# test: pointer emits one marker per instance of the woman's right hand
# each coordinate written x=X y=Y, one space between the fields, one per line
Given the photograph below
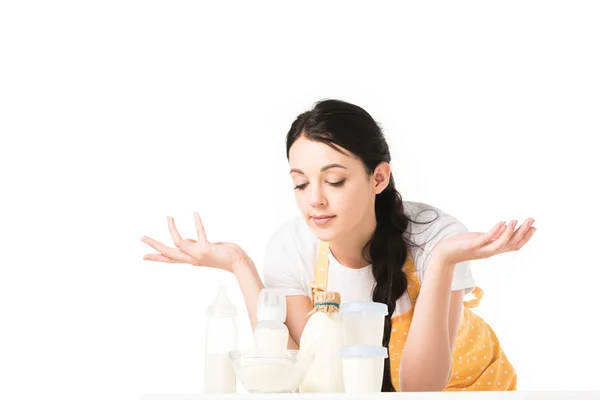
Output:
x=199 y=252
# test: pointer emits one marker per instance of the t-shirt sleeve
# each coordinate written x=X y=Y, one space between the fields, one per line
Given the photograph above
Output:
x=283 y=266
x=444 y=226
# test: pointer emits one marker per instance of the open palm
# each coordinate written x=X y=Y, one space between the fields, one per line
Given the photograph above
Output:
x=201 y=252
x=501 y=238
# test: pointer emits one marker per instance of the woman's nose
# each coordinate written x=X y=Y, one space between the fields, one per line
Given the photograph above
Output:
x=317 y=197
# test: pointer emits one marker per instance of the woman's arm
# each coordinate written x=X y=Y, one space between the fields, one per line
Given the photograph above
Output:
x=427 y=356
x=250 y=285
x=426 y=360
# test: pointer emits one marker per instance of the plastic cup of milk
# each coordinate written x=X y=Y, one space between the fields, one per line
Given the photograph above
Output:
x=362 y=368
x=362 y=322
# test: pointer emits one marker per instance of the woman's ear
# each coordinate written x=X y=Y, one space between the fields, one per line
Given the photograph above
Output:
x=381 y=177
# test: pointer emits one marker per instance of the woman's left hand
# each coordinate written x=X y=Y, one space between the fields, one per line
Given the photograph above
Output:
x=477 y=245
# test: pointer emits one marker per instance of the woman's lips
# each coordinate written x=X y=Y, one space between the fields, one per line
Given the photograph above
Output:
x=322 y=220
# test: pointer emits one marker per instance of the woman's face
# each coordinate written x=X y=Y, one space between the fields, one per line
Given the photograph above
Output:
x=333 y=191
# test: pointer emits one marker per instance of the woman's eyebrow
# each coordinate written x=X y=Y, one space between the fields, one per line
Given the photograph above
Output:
x=324 y=168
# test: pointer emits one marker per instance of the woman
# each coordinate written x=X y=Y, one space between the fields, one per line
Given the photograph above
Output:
x=373 y=246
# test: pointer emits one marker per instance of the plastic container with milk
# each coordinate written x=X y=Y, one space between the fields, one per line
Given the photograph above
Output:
x=363 y=322
x=363 y=368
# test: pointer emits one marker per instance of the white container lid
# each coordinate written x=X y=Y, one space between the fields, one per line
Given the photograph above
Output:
x=271 y=305
x=363 y=352
x=364 y=307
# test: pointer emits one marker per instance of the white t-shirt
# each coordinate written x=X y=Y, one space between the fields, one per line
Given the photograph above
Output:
x=292 y=252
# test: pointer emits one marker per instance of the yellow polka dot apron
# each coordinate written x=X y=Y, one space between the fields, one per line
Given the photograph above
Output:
x=478 y=361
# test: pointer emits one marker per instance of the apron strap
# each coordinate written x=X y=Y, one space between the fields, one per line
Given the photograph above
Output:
x=321 y=270
x=478 y=294
x=413 y=286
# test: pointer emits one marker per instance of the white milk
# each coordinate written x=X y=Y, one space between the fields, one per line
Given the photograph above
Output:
x=271 y=339
x=271 y=333
x=220 y=339
x=362 y=375
x=270 y=378
x=362 y=368
x=322 y=336
x=219 y=375
x=363 y=323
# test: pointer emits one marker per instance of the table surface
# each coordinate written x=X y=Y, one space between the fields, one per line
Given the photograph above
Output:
x=520 y=395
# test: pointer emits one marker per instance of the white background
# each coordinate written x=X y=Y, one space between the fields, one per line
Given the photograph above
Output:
x=114 y=115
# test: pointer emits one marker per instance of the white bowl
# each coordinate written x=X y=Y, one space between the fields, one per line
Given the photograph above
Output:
x=268 y=372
